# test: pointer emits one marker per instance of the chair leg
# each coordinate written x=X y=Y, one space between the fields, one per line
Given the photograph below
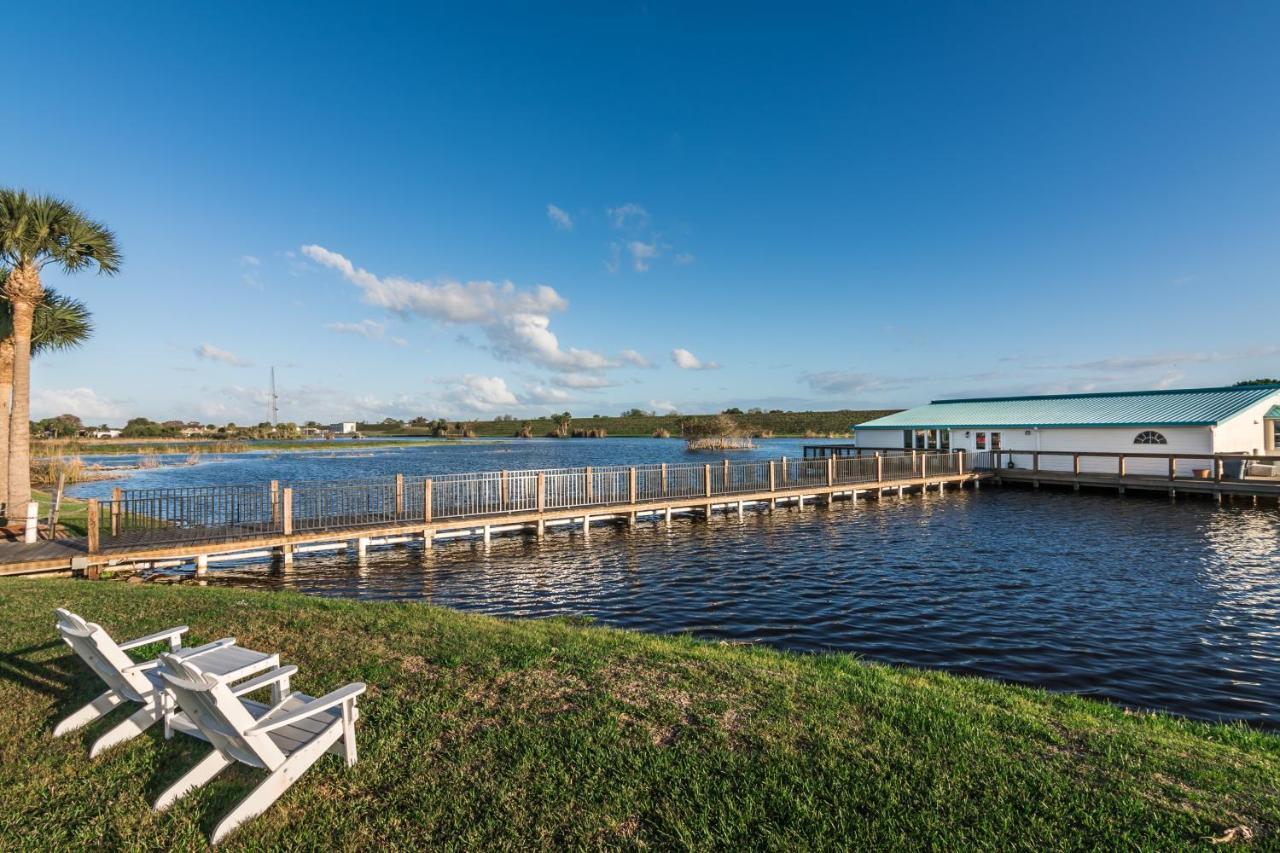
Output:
x=97 y=708
x=208 y=767
x=270 y=789
x=349 y=732
x=129 y=729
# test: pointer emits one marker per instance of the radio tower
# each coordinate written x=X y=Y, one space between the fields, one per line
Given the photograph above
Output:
x=272 y=400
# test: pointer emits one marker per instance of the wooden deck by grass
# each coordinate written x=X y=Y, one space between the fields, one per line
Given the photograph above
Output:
x=480 y=732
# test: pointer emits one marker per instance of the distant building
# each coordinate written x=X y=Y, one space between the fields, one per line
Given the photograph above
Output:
x=343 y=428
x=106 y=433
x=1241 y=419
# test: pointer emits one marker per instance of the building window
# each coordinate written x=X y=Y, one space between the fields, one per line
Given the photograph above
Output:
x=981 y=442
x=1150 y=436
x=906 y=439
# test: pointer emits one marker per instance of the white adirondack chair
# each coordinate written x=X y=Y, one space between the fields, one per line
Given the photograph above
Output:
x=129 y=681
x=284 y=738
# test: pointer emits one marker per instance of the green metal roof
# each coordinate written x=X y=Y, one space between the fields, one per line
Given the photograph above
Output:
x=1185 y=407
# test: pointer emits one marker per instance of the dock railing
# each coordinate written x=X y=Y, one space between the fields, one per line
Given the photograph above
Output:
x=210 y=514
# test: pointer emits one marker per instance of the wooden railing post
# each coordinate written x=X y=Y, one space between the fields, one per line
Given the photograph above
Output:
x=1035 y=462
x=286 y=510
x=1173 y=467
x=1217 y=469
x=542 y=492
x=773 y=477
x=784 y=470
x=1075 y=464
x=116 y=496
x=93 y=523
x=664 y=479
x=505 y=491
x=587 y=475
x=831 y=471
x=879 y=467
x=726 y=475
x=275 y=502
x=399 y=495
x=706 y=478
x=924 y=466
x=959 y=461
x=1120 y=466
x=631 y=484
x=426 y=500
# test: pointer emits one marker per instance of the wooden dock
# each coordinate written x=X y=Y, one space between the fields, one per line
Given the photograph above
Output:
x=1217 y=476
x=144 y=528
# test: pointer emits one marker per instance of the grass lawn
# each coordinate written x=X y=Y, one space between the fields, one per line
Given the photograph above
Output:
x=484 y=733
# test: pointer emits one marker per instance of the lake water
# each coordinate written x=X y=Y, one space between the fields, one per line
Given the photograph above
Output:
x=1151 y=604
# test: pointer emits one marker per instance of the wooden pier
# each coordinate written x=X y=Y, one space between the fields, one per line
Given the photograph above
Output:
x=142 y=528
x=1221 y=476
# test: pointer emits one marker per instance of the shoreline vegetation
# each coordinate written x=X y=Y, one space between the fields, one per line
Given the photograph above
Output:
x=486 y=732
x=759 y=424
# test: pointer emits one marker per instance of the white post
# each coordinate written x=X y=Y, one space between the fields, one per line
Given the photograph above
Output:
x=362 y=545
x=487 y=534
x=33 y=523
x=202 y=565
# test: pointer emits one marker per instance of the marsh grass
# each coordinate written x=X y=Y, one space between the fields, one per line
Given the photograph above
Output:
x=481 y=733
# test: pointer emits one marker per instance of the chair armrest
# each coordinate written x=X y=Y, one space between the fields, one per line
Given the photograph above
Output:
x=279 y=674
x=315 y=706
x=189 y=653
x=173 y=635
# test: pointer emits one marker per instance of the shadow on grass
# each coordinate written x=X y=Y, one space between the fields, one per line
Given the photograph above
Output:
x=52 y=678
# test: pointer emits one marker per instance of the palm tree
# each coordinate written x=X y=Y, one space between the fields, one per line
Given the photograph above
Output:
x=60 y=322
x=35 y=231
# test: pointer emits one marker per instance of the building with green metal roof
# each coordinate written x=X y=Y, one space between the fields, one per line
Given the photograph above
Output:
x=1236 y=419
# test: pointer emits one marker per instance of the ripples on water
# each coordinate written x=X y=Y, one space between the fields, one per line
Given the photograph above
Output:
x=1148 y=603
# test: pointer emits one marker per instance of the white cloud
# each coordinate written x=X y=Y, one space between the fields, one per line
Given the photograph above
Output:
x=480 y=393
x=81 y=402
x=208 y=352
x=1176 y=358
x=642 y=254
x=585 y=380
x=629 y=214
x=684 y=258
x=661 y=406
x=371 y=329
x=846 y=382
x=517 y=322
x=541 y=395
x=559 y=218
x=634 y=358
x=686 y=360
x=249 y=271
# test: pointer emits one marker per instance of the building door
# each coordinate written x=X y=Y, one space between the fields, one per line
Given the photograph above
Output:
x=995 y=441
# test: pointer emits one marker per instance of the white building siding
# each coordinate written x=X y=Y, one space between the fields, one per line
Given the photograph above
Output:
x=1180 y=440
x=1244 y=433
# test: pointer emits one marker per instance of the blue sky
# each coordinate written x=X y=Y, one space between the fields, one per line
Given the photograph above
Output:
x=515 y=209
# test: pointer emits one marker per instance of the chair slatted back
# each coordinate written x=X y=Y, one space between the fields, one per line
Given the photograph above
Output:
x=220 y=716
x=96 y=648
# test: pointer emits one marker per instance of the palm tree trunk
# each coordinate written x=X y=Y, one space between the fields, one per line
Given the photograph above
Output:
x=24 y=291
x=6 y=395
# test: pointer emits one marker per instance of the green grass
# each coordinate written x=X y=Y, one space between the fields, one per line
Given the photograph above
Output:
x=779 y=423
x=486 y=733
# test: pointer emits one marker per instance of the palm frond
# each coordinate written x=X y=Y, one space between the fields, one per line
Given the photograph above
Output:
x=41 y=229
x=60 y=322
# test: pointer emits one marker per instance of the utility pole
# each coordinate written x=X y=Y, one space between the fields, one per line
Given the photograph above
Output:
x=272 y=400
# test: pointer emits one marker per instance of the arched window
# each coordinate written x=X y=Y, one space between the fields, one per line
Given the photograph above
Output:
x=1150 y=437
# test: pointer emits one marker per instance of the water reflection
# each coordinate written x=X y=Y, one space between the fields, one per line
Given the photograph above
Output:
x=1153 y=604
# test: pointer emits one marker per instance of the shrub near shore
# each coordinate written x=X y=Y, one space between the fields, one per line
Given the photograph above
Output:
x=479 y=733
